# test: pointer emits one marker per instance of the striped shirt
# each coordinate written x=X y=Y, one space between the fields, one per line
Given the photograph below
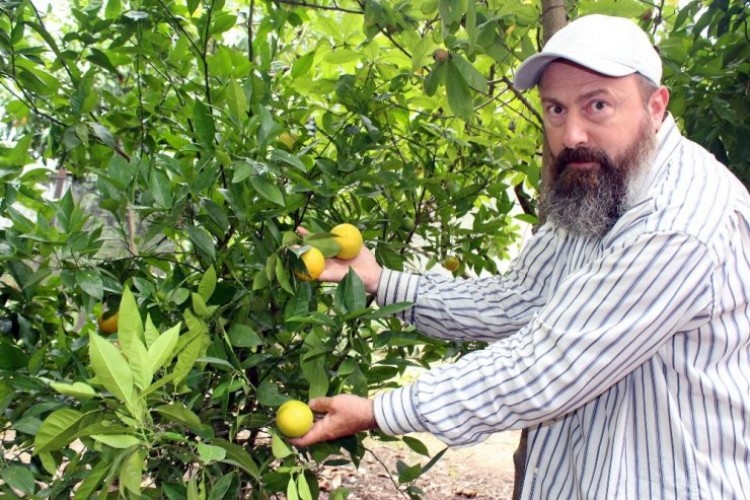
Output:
x=627 y=357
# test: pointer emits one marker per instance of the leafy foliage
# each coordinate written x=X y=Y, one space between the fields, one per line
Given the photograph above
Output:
x=188 y=142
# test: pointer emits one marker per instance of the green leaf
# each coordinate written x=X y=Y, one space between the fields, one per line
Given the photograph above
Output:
x=205 y=129
x=131 y=472
x=119 y=441
x=199 y=305
x=57 y=430
x=291 y=489
x=282 y=276
x=223 y=22
x=281 y=156
x=129 y=323
x=202 y=241
x=303 y=488
x=279 y=447
x=473 y=77
x=243 y=336
x=451 y=11
x=163 y=348
x=93 y=481
x=313 y=364
x=350 y=294
x=416 y=445
x=179 y=414
x=434 y=459
x=471 y=23
x=459 y=93
x=267 y=190
x=140 y=364
x=19 y=478
x=316 y=374
x=268 y=394
x=101 y=59
x=150 y=333
x=389 y=310
x=90 y=282
x=78 y=390
x=113 y=9
x=220 y=489
x=302 y=65
x=18 y=156
x=237 y=455
x=186 y=359
x=208 y=284
x=406 y=473
x=11 y=357
x=111 y=369
x=210 y=454
x=236 y=100
x=435 y=78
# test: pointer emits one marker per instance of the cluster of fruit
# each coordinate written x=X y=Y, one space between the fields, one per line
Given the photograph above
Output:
x=349 y=240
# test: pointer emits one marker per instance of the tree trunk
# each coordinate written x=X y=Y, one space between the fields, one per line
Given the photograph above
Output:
x=554 y=17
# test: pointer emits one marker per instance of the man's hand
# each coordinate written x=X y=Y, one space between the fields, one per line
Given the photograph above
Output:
x=344 y=415
x=364 y=264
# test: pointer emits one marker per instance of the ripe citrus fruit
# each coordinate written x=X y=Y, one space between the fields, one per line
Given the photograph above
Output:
x=294 y=418
x=314 y=262
x=451 y=263
x=349 y=240
x=108 y=323
x=287 y=139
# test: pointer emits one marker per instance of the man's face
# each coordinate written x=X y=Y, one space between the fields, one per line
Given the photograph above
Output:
x=601 y=134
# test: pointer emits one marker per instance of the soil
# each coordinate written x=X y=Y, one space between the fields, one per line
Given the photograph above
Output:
x=483 y=471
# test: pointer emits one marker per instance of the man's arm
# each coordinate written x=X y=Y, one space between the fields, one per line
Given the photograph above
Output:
x=603 y=322
x=485 y=309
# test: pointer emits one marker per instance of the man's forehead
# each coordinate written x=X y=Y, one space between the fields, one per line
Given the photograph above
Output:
x=563 y=75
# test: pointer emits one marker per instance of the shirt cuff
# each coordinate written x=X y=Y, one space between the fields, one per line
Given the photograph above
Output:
x=396 y=286
x=396 y=413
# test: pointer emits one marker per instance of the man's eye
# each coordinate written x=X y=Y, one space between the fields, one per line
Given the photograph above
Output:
x=554 y=109
x=599 y=105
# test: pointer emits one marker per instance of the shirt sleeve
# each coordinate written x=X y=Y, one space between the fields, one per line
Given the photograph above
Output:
x=483 y=309
x=600 y=324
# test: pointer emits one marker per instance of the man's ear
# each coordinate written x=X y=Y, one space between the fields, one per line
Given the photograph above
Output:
x=657 y=106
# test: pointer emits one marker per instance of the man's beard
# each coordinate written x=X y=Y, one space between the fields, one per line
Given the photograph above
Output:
x=591 y=200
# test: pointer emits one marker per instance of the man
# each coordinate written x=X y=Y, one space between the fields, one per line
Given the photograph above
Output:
x=620 y=337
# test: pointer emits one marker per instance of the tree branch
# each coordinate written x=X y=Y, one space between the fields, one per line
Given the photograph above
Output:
x=320 y=7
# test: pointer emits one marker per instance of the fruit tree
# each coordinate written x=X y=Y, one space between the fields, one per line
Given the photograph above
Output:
x=157 y=158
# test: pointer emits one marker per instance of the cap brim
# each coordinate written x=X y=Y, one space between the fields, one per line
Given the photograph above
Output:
x=530 y=71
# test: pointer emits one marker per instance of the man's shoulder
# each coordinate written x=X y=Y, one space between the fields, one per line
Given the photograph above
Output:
x=694 y=194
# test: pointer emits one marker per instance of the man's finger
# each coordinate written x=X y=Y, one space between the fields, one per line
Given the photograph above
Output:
x=320 y=405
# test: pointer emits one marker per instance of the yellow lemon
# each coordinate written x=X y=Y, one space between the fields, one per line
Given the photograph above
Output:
x=287 y=139
x=108 y=324
x=294 y=418
x=349 y=240
x=451 y=263
x=314 y=262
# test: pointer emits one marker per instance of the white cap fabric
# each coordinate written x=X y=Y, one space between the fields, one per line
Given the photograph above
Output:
x=612 y=46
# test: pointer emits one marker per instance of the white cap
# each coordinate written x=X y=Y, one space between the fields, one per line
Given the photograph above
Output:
x=612 y=46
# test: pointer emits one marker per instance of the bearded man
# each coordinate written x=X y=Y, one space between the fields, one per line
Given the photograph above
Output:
x=620 y=336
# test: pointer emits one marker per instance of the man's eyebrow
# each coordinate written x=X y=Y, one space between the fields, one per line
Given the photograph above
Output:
x=592 y=94
x=583 y=97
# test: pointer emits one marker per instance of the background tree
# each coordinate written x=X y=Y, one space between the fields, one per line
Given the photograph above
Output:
x=195 y=137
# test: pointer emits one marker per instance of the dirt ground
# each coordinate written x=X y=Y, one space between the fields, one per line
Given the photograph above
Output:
x=482 y=472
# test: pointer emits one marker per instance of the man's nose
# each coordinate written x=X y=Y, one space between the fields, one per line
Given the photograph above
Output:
x=576 y=134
